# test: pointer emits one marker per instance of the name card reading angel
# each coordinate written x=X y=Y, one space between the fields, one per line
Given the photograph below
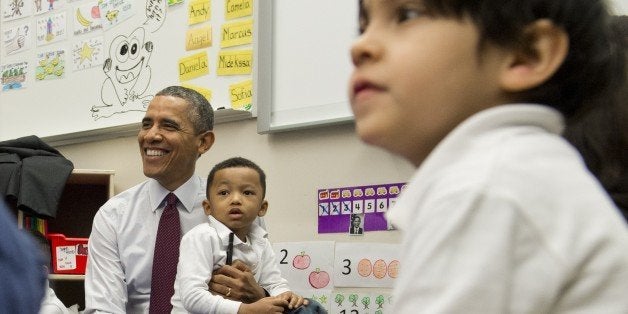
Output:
x=198 y=38
x=337 y=207
x=374 y=265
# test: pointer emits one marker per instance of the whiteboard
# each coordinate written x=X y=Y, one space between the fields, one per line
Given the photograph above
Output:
x=307 y=75
x=62 y=110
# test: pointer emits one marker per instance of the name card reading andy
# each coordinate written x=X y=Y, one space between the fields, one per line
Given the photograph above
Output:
x=193 y=66
x=235 y=34
x=238 y=8
x=199 y=11
x=235 y=62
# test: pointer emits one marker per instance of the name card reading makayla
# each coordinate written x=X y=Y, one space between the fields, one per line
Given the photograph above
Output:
x=235 y=62
x=197 y=38
x=235 y=34
x=193 y=66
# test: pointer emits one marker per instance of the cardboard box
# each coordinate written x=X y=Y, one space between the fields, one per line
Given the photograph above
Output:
x=69 y=255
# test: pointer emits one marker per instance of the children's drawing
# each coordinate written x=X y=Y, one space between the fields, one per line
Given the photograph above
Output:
x=301 y=261
x=368 y=265
x=87 y=18
x=360 y=302
x=15 y=9
x=50 y=65
x=14 y=76
x=87 y=53
x=43 y=6
x=306 y=265
x=128 y=75
x=113 y=12
x=319 y=279
x=17 y=39
x=51 y=28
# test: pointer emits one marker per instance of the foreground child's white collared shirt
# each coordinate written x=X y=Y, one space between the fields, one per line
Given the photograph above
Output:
x=503 y=217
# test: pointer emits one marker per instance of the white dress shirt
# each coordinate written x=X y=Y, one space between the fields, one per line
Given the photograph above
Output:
x=122 y=241
x=204 y=249
x=503 y=217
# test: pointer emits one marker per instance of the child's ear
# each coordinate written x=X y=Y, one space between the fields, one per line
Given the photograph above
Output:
x=533 y=63
x=207 y=207
x=263 y=209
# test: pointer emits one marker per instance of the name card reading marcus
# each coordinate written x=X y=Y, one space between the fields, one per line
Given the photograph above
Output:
x=238 y=33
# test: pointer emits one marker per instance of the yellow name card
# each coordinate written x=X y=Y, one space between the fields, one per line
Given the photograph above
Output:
x=241 y=95
x=207 y=93
x=193 y=66
x=235 y=34
x=235 y=62
x=199 y=11
x=238 y=8
x=198 y=38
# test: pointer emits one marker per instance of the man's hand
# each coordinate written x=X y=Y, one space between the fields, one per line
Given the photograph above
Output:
x=268 y=305
x=236 y=282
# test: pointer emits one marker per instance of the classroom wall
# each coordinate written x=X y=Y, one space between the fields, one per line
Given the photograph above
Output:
x=297 y=163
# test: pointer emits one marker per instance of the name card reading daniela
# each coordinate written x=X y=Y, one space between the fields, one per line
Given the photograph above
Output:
x=238 y=33
x=193 y=66
x=235 y=62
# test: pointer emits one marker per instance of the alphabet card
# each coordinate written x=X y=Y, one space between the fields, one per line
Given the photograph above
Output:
x=366 y=264
x=306 y=265
x=360 y=303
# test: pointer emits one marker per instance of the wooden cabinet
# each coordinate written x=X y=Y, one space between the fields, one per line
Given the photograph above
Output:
x=85 y=191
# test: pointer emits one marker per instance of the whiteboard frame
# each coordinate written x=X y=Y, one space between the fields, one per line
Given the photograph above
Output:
x=268 y=119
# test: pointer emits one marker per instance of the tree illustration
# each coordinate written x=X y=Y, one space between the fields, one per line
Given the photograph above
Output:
x=353 y=298
x=339 y=299
x=380 y=301
x=366 y=301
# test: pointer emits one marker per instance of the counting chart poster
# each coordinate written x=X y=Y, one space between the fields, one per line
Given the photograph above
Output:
x=335 y=206
x=366 y=265
x=306 y=265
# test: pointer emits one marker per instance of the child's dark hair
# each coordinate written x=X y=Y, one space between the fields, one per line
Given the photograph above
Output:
x=237 y=162
x=595 y=66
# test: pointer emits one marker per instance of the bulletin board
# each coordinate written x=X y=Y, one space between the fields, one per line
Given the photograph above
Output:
x=88 y=68
x=308 y=75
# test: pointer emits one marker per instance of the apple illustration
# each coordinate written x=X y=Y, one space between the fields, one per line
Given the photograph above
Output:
x=319 y=279
x=301 y=261
x=95 y=12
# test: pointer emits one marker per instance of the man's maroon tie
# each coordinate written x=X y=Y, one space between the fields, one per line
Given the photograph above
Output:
x=166 y=258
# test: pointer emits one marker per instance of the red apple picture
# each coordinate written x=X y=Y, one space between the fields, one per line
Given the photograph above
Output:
x=301 y=261
x=95 y=12
x=319 y=279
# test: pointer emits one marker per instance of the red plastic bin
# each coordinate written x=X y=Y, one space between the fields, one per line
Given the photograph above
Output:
x=69 y=255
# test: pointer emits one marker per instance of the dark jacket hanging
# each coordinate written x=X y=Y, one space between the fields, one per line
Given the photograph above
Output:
x=33 y=174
